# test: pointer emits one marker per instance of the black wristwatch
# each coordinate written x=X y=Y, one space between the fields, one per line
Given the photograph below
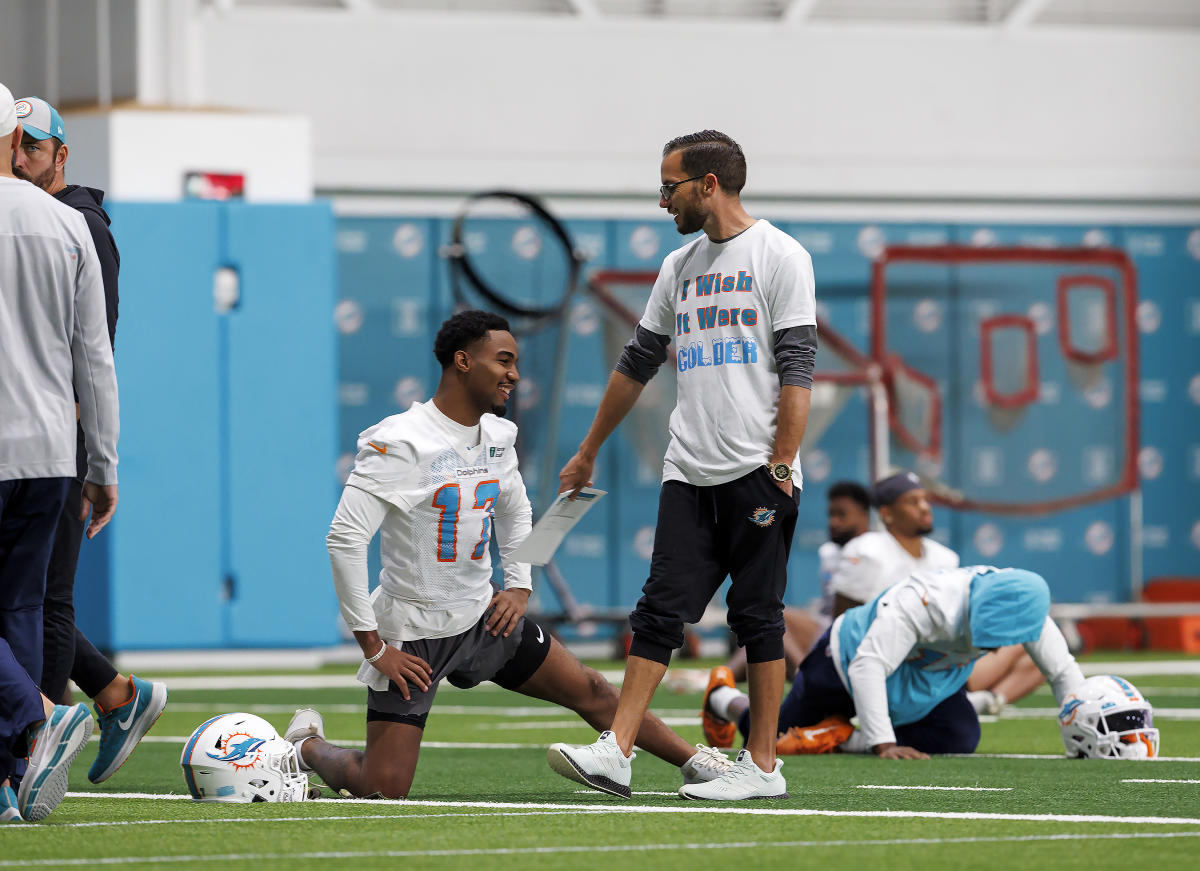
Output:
x=780 y=471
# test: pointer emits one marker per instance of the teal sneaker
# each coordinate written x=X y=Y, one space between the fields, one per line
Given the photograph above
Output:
x=8 y=806
x=123 y=726
x=53 y=747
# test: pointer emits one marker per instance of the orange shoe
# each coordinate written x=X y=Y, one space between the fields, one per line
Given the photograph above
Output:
x=821 y=738
x=717 y=732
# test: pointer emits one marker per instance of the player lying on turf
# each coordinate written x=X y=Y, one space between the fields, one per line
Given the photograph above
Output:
x=437 y=480
x=901 y=662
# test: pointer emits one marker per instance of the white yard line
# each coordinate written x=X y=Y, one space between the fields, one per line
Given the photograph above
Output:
x=581 y=848
x=737 y=810
x=1057 y=756
x=572 y=724
x=478 y=745
x=1151 y=780
x=1138 y=669
x=1015 y=713
x=938 y=788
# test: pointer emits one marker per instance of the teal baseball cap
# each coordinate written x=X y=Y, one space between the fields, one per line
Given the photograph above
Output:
x=40 y=120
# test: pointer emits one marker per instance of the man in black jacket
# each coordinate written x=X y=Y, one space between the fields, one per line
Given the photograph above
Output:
x=126 y=706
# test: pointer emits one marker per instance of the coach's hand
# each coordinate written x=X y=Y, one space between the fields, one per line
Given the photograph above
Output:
x=897 y=751
x=506 y=609
x=100 y=501
x=576 y=475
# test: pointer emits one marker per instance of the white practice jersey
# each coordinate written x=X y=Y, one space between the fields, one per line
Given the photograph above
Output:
x=920 y=627
x=873 y=561
x=721 y=303
x=448 y=488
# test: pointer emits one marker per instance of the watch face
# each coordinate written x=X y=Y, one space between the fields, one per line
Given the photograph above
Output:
x=781 y=471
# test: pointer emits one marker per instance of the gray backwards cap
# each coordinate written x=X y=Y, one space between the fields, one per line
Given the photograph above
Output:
x=888 y=490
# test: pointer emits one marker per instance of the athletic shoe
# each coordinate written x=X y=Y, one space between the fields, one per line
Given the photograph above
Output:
x=8 y=806
x=601 y=766
x=821 y=738
x=53 y=747
x=708 y=764
x=743 y=780
x=305 y=723
x=123 y=727
x=717 y=732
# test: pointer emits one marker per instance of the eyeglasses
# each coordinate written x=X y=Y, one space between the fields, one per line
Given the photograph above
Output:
x=668 y=190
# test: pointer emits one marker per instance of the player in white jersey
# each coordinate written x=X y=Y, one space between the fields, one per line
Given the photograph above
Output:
x=901 y=662
x=739 y=304
x=437 y=482
x=874 y=561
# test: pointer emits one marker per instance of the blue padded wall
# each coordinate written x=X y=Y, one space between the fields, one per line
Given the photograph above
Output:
x=1085 y=552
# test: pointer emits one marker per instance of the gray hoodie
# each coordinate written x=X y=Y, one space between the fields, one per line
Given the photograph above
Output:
x=53 y=341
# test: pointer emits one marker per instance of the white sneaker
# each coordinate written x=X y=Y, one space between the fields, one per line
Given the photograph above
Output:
x=601 y=765
x=305 y=723
x=743 y=780
x=709 y=763
x=987 y=702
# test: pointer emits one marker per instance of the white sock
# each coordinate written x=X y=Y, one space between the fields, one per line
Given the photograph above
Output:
x=721 y=698
x=981 y=700
x=304 y=766
x=856 y=743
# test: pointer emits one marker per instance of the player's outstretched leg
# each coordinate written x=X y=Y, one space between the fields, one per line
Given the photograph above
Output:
x=125 y=724
x=566 y=681
x=385 y=769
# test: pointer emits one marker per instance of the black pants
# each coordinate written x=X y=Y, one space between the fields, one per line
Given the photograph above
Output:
x=29 y=508
x=741 y=529
x=66 y=652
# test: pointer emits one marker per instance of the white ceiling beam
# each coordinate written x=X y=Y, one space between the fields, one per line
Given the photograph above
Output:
x=798 y=11
x=584 y=8
x=1023 y=13
x=359 y=5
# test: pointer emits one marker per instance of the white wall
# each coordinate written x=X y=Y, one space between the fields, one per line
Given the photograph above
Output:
x=144 y=154
x=424 y=102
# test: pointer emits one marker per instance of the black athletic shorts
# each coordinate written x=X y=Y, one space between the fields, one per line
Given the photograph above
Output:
x=465 y=660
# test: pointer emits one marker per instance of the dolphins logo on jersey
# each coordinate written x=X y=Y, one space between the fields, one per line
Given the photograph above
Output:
x=242 y=753
x=762 y=516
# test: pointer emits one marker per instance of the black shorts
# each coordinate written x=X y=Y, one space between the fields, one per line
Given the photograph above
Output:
x=742 y=529
x=465 y=660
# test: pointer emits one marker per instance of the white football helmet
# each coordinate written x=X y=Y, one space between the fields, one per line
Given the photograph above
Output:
x=1107 y=718
x=241 y=758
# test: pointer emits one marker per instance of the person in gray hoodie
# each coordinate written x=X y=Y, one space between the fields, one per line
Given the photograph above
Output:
x=127 y=706
x=53 y=348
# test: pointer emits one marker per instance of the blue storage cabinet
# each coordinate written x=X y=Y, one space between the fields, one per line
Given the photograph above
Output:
x=227 y=433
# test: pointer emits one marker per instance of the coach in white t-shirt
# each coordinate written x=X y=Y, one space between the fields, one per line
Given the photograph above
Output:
x=874 y=561
x=735 y=311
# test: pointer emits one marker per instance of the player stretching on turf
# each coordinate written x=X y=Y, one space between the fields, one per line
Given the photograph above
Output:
x=438 y=480
x=901 y=663
x=739 y=302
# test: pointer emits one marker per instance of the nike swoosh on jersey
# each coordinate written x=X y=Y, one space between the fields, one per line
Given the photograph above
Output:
x=541 y=637
x=128 y=721
x=381 y=448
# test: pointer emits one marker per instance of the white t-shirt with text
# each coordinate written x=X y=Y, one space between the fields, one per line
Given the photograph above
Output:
x=721 y=303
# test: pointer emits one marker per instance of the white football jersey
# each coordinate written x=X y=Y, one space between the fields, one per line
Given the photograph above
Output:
x=873 y=561
x=450 y=488
x=721 y=303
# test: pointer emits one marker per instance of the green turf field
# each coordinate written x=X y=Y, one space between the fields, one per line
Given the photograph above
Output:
x=485 y=798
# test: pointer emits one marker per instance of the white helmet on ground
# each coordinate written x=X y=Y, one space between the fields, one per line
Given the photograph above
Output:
x=241 y=758
x=1107 y=718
